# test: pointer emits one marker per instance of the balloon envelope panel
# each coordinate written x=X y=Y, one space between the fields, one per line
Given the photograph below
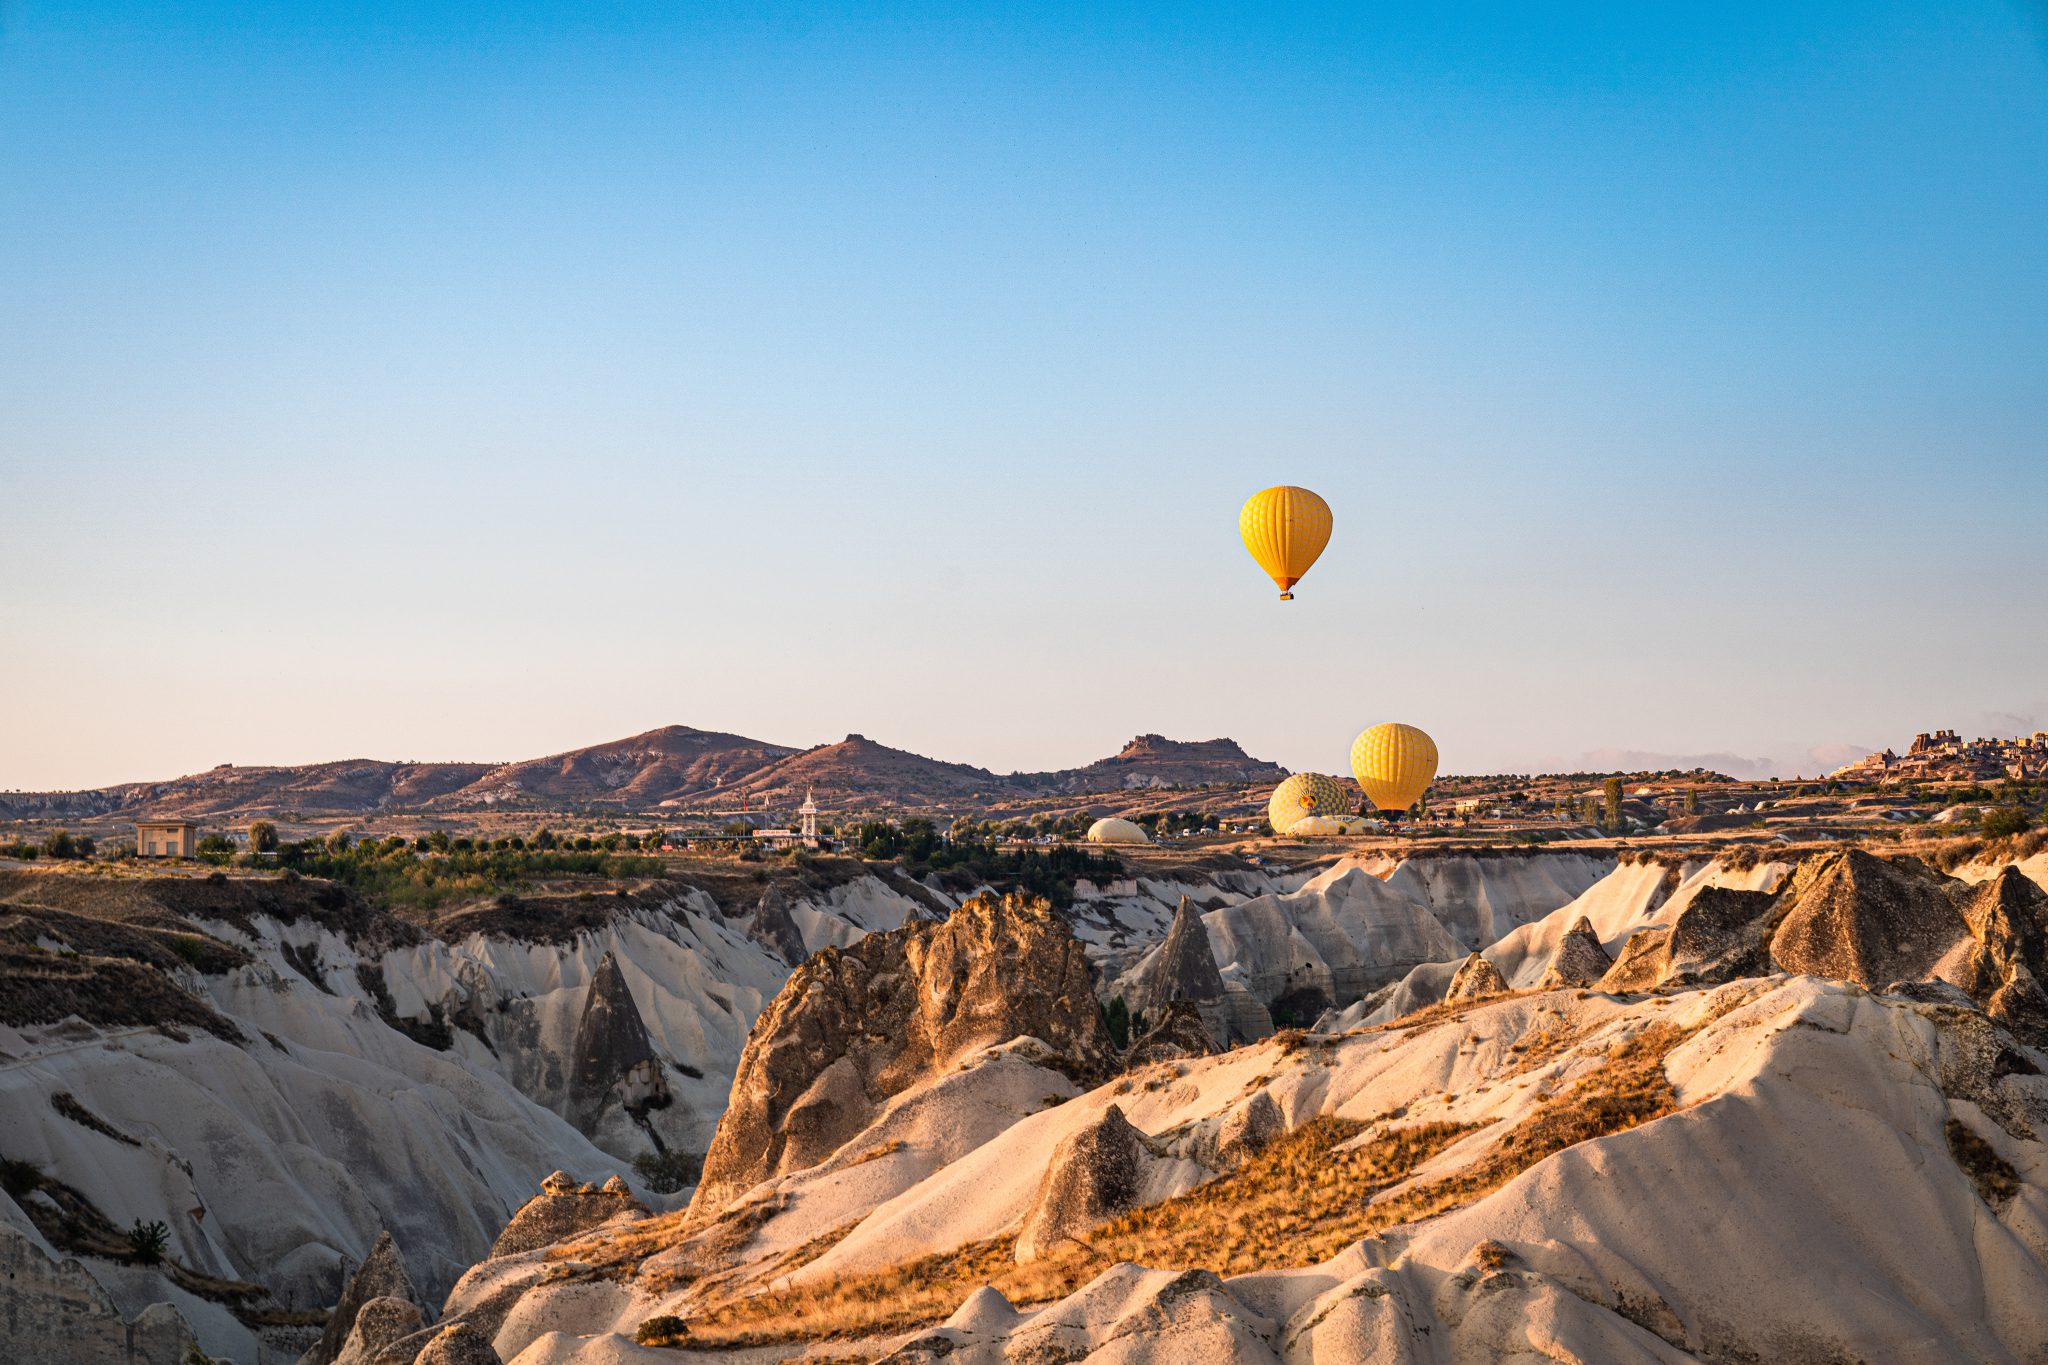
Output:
x=1395 y=764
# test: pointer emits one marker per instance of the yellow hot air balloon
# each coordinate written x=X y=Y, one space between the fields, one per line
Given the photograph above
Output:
x=1318 y=827
x=1303 y=795
x=1285 y=528
x=1394 y=764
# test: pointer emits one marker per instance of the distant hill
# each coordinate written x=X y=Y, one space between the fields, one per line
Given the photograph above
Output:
x=644 y=772
x=1155 y=761
x=859 y=769
x=675 y=768
x=349 y=786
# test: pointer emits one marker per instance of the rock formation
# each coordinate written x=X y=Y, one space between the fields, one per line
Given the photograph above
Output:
x=1857 y=917
x=380 y=1276
x=1475 y=980
x=378 y=1324
x=1183 y=968
x=2007 y=918
x=53 y=1310
x=1579 y=959
x=1180 y=1032
x=458 y=1344
x=614 y=1059
x=1092 y=1177
x=854 y=1026
x=1722 y=933
x=1640 y=963
x=1249 y=1128
x=564 y=1208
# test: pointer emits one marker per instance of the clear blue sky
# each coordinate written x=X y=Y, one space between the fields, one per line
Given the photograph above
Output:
x=477 y=381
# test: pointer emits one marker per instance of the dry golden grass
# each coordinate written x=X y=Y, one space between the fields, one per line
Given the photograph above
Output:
x=617 y=1252
x=889 y=1148
x=1301 y=1201
x=1298 y=1202
x=1441 y=1011
x=1543 y=1046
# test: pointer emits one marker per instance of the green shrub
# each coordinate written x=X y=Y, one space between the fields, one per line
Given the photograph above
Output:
x=2004 y=822
x=147 y=1242
x=1118 y=1018
x=63 y=844
x=665 y=1330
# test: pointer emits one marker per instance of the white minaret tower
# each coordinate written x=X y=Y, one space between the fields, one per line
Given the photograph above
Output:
x=808 y=812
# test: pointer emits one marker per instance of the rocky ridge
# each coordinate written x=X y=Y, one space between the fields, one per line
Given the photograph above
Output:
x=1732 y=1053
x=856 y=1026
x=675 y=767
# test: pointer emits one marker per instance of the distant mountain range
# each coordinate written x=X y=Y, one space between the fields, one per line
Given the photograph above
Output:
x=674 y=769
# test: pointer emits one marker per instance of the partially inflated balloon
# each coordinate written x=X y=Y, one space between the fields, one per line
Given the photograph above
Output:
x=1394 y=764
x=1303 y=795
x=1285 y=528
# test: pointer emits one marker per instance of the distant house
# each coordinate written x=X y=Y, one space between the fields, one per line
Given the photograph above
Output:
x=165 y=838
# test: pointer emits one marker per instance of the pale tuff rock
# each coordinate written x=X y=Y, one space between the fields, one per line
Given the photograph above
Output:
x=1092 y=1177
x=1476 y=980
x=564 y=1209
x=1128 y=1314
x=381 y=1276
x=1344 y=934
x=53 y=1310
x=1790 y=1083
x=1180 y=1032
x=378 y=1324
x=1579 y=960
x=614 y=1060
x=854 y=1026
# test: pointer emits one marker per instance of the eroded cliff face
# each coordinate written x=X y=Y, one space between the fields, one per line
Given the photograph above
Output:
x=280 y=1073
x=855 y=1026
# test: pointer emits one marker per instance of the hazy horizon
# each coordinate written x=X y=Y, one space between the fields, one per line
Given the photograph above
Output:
x=1786 y=761
x=477 y=383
